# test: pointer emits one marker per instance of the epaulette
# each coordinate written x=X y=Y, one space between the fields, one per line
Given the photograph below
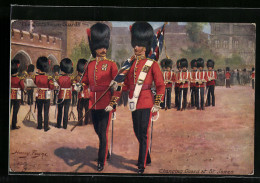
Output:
x=57 y=77
x=50 y=77
x=110 y=60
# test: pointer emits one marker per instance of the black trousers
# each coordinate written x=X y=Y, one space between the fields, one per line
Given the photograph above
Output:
x=101 y=125
x=83 y=104
x=42 y=103
x=15 y=103
x=55 y=93
x=167 y=98
x=30 y=97
x=200 y=98
x=253 y=84
x=193 y=96
x=74 y=97
x=211 y=95
x=177 y=91
x=66 y=104
x=227 y=83
x=22 y=99
x=183 y=99
x=141 y=119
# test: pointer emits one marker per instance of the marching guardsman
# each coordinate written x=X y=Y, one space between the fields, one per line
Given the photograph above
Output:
x=139 y=82
x=212 y=76
x=98 y=76
x=64 y=97
x=30 y=71
x=177 y=85
x=253 y=78
x=183 y=79
x=44 y=84
x=227 y=77
x=193 y=89
x=56 y=71
x=168 y=77
x=17 y=85
x=201 y=79
x=83 y=95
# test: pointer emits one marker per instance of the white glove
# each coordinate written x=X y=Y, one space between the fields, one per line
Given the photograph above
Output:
x=108 y=108
x=155 y=108
x=113 y=84
x=77 y=87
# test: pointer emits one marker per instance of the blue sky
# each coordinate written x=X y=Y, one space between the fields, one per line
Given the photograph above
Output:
x=154 y=24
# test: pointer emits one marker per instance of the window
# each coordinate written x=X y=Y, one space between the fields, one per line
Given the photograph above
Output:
x=225 y=44
x=235 y=44
x=217 y=44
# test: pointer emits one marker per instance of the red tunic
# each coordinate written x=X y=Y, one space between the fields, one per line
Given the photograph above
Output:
x=168 y=77
x=183 y=76
x=98 y=76
x=85 y=93
x=192 y=78
x=200 y=75
x=228 y=75
x=145 y=99
x=65 y=83
x=176 y=85
x=213 y=76
x=253 y=75
x=44 y=83
x=16 y=84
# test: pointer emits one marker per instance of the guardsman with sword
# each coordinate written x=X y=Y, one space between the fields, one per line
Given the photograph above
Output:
x=138 y=81
x=98 y=75
x=212 y=76
x=201 y=79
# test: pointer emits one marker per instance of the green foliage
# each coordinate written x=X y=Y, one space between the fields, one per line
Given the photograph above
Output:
x=194 y=30
x=121 y=55
x=80 y=51
x=235 y=61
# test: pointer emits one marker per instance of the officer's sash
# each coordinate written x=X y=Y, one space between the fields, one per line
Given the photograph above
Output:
x=138 y=86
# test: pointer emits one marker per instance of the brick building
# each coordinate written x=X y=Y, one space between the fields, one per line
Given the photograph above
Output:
x=234 y=38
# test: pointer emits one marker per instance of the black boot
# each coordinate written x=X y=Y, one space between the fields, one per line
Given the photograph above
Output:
x=100 y=167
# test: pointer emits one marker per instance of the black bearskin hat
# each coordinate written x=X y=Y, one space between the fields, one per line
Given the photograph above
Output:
x=210 y=63
x=253 y=69
x=142 y=35
x=66 y=66
x=227 y=69
x=178 y=63
x=42 y=64
x=200 y=62
x=98 y=37
x=193 y=63
x=80 y=65
x=56 y=68
x=184 y=63
x=14 y=67
x=166 y=63
x=30 y=68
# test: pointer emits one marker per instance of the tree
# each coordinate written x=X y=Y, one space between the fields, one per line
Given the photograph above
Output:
x=121 y=55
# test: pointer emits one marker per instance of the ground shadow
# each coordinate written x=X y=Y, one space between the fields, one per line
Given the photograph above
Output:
x=87 y=156
x=30 y=123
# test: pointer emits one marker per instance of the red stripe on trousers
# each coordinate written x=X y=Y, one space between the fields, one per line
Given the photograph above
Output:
x=109 y=119
x=147 y=138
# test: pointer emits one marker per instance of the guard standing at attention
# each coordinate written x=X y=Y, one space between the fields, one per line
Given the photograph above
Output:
x=44 y=84
x=193 y=89
x=64 y=98
x=177 y=85
x=212 y=76
x=17 y=85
